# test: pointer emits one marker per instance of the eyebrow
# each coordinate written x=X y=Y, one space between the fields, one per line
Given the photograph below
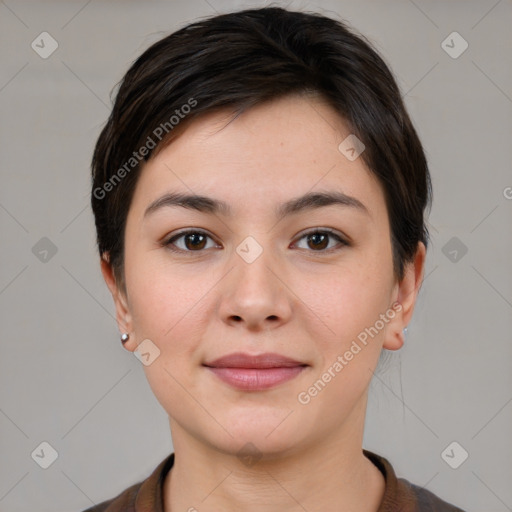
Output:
x=306 y=202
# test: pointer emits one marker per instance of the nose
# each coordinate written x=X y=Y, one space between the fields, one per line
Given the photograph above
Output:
x=255 y=295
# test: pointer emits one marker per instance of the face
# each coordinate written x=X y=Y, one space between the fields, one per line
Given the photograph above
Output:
x=311 y=281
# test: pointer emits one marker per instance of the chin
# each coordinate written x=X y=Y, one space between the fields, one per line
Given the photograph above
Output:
x=266 y=435
x=250 y=447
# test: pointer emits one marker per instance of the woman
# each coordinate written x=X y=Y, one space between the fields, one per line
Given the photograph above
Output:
x=259 y=194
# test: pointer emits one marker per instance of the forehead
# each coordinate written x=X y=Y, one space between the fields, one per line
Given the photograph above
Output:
x=269 y=153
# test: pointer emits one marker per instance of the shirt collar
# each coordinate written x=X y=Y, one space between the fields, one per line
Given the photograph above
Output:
x=150 y=495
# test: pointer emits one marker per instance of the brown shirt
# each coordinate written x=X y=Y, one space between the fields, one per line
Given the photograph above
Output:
x=399 y=494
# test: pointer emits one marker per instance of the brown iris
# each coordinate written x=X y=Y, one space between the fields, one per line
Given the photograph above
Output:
x=197 y=240
x=321 y=238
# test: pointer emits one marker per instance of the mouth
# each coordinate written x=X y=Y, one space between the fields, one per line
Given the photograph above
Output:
x=255 y=373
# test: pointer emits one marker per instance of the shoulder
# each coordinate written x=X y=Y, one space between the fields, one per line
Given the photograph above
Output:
x=147 y=493
x=423 y=499
x=123 y=502
x=401 y=495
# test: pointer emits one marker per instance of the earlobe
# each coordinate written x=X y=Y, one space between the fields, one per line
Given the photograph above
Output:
x=123 y=316
x=395 y=337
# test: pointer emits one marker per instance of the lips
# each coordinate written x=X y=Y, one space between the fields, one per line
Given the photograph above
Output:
x=255 y=373
x=241 y=360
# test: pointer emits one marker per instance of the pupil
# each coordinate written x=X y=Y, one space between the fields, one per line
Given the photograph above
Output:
x=193 y=237
x=194 y=240
x=315 y=237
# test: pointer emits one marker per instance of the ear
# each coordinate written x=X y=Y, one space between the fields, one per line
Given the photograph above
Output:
x=405 y=294
x=123 y=315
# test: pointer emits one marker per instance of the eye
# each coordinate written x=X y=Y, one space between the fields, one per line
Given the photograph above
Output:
x=193 y=241
x=196 y=241
x=318 y=240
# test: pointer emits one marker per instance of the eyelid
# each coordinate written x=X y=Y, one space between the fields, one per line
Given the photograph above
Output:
x=168 y=241
x=343 y=241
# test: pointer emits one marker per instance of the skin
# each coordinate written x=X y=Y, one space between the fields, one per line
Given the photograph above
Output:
x=299 y=298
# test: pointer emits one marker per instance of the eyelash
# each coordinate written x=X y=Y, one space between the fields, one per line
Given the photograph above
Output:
x=169 y=243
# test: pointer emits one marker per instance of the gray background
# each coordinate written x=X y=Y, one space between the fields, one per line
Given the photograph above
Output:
x=64 y=376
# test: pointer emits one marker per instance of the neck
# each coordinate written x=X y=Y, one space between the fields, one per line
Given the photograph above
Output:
x=333 y=470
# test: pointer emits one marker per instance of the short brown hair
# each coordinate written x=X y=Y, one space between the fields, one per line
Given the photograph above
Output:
x=235 y=61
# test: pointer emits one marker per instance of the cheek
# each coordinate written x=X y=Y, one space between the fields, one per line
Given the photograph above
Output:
x=349 y=305
x=351 y=299
x=349 y=349
x=172 y=306
x=168 y=309
x=162 y=297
